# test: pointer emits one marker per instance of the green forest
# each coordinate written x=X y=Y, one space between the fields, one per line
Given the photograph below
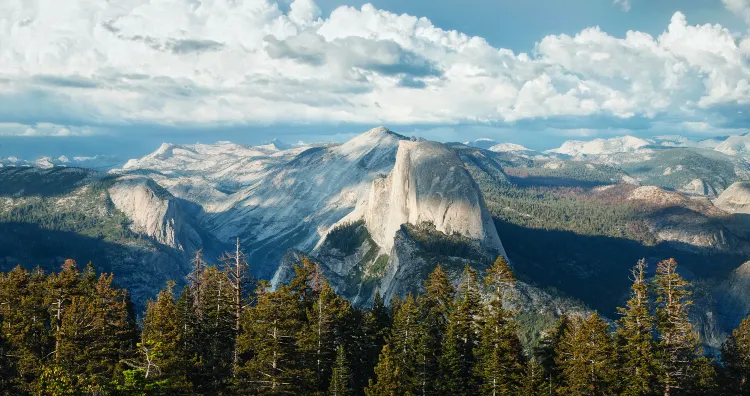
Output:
x=75 y=332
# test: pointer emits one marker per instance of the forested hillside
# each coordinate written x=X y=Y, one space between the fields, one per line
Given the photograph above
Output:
x=75 y=332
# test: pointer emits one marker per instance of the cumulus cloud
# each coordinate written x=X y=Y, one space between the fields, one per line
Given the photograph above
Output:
x=221 y=62
x=741 y=8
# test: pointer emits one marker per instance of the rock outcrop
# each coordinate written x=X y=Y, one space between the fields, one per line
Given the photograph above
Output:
x=428 y=184
x=154 y=213
x=735 y=199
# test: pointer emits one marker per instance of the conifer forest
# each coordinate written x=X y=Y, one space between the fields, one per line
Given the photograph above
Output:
x=75 y=332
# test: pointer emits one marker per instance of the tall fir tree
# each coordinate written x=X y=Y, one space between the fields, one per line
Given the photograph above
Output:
x=401 y=351
x=678 y=345
x=23 y=322
x=499 y=355
x=735 y=355
x=270 y=331
x=341 y=378
x=635 y=338
x=236 y=269
x=587 y=358
x=161 y=347
x=458 y=357
x=533 y=381
x=321 y=334
x=390 y=377
x=549 y=344
x=434 y=305
x=374 y=327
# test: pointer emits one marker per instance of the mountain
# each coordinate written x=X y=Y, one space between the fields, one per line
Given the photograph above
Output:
x=272 y=200
x=380 y=211
x=99 y=162
x=129 y=227
x=735 y=145
x=154 y=213
x=428 y=184
x=735 y=199
x=622 y=144
x=508 y=147
x=482 y=143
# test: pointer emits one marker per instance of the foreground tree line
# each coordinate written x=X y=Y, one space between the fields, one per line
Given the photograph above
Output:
x=74 y=332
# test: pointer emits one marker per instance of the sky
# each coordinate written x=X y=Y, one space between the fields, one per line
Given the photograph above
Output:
x=86 y=77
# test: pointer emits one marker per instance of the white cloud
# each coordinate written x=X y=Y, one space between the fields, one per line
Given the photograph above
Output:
x=44 y=129
x=625 y=4
x=218 y=62
x=741 y=8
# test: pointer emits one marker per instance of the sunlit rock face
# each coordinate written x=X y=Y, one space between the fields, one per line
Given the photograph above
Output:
x=428 y=184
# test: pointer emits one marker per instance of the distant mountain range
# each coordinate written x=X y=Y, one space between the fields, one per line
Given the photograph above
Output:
x=381 y=210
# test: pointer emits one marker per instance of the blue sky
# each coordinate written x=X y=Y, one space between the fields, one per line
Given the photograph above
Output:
x=96 y=77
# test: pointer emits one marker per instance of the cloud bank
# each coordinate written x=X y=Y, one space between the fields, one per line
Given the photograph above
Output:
x=223 y=62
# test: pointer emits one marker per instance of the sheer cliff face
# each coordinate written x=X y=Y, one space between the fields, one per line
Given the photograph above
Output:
x=428 y=184
x=154 y=213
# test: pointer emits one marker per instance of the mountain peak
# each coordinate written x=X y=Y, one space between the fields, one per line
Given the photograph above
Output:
x=378 y=131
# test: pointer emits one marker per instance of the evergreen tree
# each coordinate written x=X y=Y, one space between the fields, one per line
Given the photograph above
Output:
x=401 y=352
x=214 y=307
x=236 y=269
x=23 y=323
x=735 y=354
x=61 y=288
x=546 y=352
x=188 y=332
x=95 y=333
x=533 y=381
x=374 y=325
x=635 y=335
x=499 y=355
x=321 y=334
x=587 y=358
x=341 y=378
x=434 y=308
x=458 y=358
x=678 y=344
x=390 y=377
x=270 y=331
x=161 y=344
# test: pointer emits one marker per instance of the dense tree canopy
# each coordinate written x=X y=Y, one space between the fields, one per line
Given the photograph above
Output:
x=74 y=332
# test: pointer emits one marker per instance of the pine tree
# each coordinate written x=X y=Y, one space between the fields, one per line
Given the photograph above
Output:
x=533 y=381
x=587 y=358
x=161 y=344
x=546 y=352
x=114 y=333
x=458 y=357
x=374 y=326
x=213 y=302
x=678 y=342
x=390 y=378
x=95 y=333
x=236 y=269
x=321 y=334
x=434 y=308
x=270 y=331
x=401 y=351
x=23 y=323
x=341 y=378
x=499 y=355
x=735 y=354
x=189 y=344
x=62 y=287
x=635 y=335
